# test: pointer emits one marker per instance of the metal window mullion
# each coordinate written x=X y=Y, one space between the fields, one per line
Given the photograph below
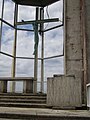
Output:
x=14 y=47
x=1 y=23
x=42 y=49
x=36 y=55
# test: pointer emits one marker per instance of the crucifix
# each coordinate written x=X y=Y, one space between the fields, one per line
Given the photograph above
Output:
x=35 y=24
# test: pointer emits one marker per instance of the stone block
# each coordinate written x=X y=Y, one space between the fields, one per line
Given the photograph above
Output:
x=64 y=91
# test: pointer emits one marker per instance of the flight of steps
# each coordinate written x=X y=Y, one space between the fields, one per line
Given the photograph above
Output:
x=32 y=107
x=23 y=100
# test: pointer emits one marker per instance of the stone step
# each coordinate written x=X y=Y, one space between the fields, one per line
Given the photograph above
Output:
x=42 y=114
x=24 y=97
x=15 y=100
x=41 y=117
x=23 y=100
x=23 y=94
x=23 y=105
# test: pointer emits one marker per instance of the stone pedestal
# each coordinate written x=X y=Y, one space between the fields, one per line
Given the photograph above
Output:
x=64 y=92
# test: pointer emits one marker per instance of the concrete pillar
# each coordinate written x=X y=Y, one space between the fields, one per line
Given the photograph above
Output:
x=67 y=90
x=77 y=41
x=87 y=31
x=74 y=61
x=73 y=39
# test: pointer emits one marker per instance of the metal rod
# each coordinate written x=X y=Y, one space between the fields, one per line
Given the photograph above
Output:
x=14 y=26
x=42 y=49
x=7 y=23
x=53 y=57
x=36 y=54
x=1 y=33
x=30 y=57
x=14 y=48
x=27 y=58
x=38 y=21
x=1 y=23
x=25 y=29
x=6 y=54
x=28 y=29
x=65 y=34
x=16 y=78
x=53 y=28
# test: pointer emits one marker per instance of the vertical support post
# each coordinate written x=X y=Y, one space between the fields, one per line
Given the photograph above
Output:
x=3 y=84
x=65 y=34
x=86 y=41
x=14 y=49
x=36 y=54
x=83 y=29
x=28 y=86
x=1 y=23
x=73 y=40
x=42 y=49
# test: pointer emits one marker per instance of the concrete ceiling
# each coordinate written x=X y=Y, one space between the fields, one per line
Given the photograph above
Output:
x=40 y=3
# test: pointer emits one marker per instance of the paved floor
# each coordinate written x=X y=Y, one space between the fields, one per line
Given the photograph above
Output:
x=46 y=112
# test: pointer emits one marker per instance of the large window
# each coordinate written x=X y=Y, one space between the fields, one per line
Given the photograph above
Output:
x=53 y=42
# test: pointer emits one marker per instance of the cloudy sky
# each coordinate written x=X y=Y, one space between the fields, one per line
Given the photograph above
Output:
x=25 y=42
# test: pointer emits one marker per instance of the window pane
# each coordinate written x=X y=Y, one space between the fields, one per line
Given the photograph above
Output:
x=26 y=13
x=24 y=68
x=5 y=66
x=54 y=11
x=7 y=39
x=18 y=87
x=54 y=42
x=54 y=66
x=1 y=7
x=9 y=11
x=25 y=44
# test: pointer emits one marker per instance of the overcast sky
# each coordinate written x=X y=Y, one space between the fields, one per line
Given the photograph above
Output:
x=25 y=42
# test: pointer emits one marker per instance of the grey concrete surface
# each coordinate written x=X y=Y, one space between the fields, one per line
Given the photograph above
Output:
x=46 y=112
x=42 y=114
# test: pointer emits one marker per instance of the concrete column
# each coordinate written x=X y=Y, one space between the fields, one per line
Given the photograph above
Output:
x=74 y=43
x=67 y=89
x=73 y=39
x=87 y=31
